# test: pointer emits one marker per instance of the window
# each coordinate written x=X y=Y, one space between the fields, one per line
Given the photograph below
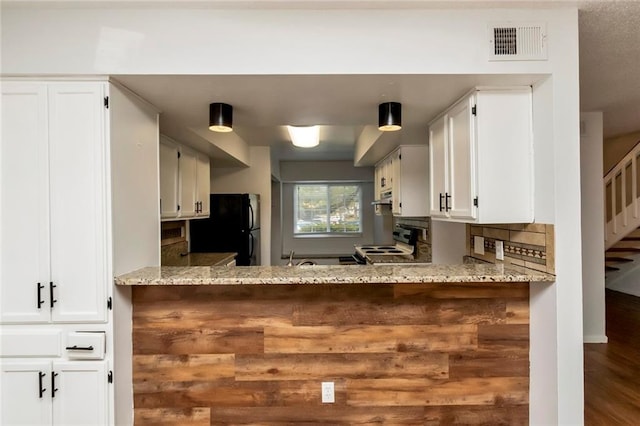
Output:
x=327 y=209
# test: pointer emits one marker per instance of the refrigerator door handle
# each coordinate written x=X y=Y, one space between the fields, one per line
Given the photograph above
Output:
x=251 y=244
x=251 y=212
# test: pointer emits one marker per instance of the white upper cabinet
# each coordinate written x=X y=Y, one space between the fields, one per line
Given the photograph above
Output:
x=168 y=179
x=384 y=178
x=184 y=181
x=402 y=176
x=24 y=273
x=438 y=159
x=461 y=149
x=203 y=183
x=188 y=181
x=77 y=185
x=54 y=257
x=481 y=158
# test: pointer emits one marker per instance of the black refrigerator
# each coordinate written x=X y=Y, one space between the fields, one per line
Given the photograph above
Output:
x=233 y=226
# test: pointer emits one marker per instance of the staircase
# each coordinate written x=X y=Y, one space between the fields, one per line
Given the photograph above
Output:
x=622 y=194
x=622 y=228
x=623 y=253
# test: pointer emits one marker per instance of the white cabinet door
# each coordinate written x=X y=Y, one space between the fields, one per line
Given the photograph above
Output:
x=54 y=221
x=168 y=179
x=376 y=177
x=81 y=395
x=395 y=169
x=60 y=393
x=77 y=182
x=438 y=159
x=25 y=393
x=203 y=185
x=184 y=181
x=481 y=158
x=505 y=156
x=24 y=226
x=462 y=161
x=187 y=182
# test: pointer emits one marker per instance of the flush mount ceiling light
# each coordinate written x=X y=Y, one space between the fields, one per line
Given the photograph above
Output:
x=304 y=136
x=389 y=116
x=220 y=117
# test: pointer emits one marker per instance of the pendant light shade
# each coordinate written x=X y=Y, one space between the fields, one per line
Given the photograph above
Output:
x=389 y=116
x=220 y=117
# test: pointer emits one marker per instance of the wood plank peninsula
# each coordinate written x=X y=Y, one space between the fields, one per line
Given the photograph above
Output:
x=428 y=344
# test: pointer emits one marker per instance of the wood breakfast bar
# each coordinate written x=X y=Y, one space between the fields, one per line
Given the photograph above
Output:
x=418 y=344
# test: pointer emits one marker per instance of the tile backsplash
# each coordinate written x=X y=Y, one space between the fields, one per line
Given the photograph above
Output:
x=528 y=244
x=423 y=246
x=173 y=242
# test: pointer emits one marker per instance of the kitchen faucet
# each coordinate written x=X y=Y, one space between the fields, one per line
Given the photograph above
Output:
x=302 y=262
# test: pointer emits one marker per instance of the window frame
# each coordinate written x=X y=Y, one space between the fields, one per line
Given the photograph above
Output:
x=327 y=234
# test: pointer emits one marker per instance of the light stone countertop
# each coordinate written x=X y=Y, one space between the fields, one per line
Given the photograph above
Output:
x=331 y=274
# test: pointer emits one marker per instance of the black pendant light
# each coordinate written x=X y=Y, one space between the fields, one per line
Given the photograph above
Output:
x=220 y=117
x=389 y=116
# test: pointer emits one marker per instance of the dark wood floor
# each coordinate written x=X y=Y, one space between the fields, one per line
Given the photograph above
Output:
x=612 y=371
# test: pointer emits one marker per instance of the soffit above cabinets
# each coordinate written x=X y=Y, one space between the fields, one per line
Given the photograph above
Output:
x=343 y=106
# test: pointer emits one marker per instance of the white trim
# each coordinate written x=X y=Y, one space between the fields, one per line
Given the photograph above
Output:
x=595 y=339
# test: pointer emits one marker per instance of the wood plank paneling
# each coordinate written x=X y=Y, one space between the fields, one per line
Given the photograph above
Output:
x=327 y=415
x=426 y=392
x=173 y=417
x=399 y=354
x=181 y=368
x=337 y=366
x=419 y=312
x=370 y=339
x=197 y=341
x=488 y=364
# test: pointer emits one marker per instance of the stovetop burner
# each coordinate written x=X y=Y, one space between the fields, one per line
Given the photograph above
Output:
x=405 y=244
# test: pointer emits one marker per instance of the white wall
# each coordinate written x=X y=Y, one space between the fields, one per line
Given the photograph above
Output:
x=592 y=228
x=255 y=179
x=135 y=223
x=276 y=222
x=544 y=325
x=173 y=40
x=448 y=242
x=434 y=41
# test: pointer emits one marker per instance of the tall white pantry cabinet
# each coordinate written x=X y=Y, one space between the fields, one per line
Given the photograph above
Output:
x=56 y=269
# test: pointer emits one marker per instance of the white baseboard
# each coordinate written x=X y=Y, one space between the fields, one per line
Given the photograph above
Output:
x=595 y=339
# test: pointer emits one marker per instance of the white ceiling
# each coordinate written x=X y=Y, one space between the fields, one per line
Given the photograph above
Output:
x=344 y=104
x=610 y=63
x=341 y=104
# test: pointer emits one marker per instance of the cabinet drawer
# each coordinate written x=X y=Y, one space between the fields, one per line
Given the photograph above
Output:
x=30 y=343
x=85 y=345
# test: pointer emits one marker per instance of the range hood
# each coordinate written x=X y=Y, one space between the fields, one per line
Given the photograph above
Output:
x=383 y=205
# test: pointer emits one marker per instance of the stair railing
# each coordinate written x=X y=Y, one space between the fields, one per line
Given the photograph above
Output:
x=621 y=198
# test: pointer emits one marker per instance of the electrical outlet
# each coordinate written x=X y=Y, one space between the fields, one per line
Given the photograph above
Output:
x=328 y=393
x=499 y=250
x=478 y=245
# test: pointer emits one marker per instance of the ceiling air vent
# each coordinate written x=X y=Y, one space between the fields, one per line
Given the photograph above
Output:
x=517 y=42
